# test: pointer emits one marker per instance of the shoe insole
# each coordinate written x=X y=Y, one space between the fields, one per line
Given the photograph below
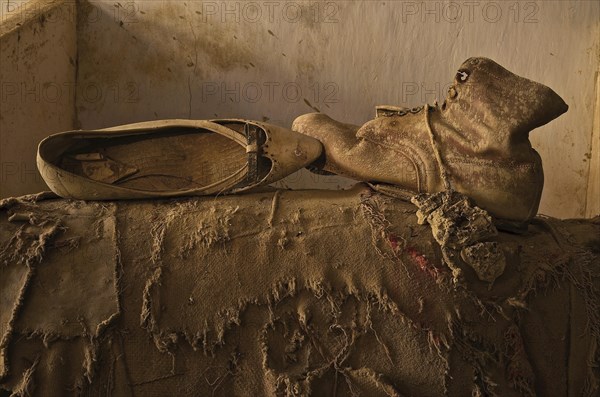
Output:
x=159 y=162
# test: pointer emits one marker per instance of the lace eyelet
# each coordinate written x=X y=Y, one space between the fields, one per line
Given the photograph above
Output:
x=462 y=76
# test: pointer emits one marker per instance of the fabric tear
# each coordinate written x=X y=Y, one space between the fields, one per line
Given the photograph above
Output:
x=26 y=387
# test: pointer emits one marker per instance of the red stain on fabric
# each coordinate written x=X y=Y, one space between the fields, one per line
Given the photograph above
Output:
x=422 y=261
x=393 y=240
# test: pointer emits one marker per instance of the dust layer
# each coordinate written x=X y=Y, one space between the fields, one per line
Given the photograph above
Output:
x=290 y=294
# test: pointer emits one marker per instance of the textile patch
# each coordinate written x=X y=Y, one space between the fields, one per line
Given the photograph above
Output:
x=57 y=271
x=74 y=290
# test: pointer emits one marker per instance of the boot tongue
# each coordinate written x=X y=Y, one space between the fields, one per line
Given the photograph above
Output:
x=496 y=108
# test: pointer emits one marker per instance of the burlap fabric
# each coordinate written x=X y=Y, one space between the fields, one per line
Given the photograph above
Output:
x=286 y=294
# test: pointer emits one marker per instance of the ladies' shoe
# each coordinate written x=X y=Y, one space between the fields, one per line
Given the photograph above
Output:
x=170 y=158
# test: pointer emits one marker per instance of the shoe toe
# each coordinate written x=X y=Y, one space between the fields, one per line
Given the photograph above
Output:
x=294 y=149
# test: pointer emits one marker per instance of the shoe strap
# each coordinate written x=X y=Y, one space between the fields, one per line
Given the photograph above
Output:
x=252 y=153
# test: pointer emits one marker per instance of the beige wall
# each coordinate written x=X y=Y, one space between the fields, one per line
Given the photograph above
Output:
x=276 y=60
x=593 y=189
x=37 y=86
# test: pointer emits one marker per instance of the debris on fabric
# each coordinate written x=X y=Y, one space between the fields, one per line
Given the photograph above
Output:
x=460 y=226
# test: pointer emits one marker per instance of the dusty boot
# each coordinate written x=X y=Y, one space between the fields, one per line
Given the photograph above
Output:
x=169 y=158
x=476 y=142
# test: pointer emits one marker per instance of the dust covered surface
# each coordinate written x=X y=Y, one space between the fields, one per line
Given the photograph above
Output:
x=58 y=284
x=304 y=293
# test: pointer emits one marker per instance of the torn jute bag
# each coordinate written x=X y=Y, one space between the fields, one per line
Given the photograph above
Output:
x=287 y=293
